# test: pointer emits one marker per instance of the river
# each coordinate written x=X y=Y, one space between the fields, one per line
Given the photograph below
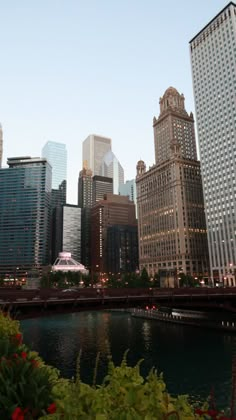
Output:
x=193 y=360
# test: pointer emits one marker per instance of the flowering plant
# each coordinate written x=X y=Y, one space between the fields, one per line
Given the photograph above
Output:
x=25 y=381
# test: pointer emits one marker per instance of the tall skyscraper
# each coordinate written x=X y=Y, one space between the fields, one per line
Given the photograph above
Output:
x=85 y=195
x=112 y=210
x=213 y=60
x=85 y=188
x=1 y=146
x=94 y=149
x=56 y=154
x=111 y=167
x=101 y=185
x=129 y=189
x=171 y=219
x=25 y=190
x=71 y=231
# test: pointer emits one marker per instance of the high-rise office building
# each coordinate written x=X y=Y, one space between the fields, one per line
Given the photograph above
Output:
x=1 y=146
x=112 y=210
x=111 y=167
x=94 y=149
x=71 y=230
x=171 y=219
x=101 y=185
x=56 y=154
x=213 y=62
x=25 y=190
x=122 y=249
x=85 y=190
x=129 y=189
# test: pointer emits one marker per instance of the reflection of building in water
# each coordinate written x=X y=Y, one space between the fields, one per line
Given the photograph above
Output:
x=146 y=332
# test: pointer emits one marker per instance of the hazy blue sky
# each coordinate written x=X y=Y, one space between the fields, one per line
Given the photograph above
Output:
x=70 y=68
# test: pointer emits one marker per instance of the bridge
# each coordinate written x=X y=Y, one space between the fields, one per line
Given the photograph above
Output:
x=29 y=303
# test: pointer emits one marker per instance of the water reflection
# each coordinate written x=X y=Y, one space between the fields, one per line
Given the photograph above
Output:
x=192 y=360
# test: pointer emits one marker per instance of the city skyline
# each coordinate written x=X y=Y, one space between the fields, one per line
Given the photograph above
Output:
x=81 y=74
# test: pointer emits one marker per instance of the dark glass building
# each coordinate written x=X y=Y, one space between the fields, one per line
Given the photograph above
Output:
x=122 y=249
x=25 y=191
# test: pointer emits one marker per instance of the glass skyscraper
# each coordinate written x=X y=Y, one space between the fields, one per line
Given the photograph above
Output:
x=56 y=154
x=213 y=59
x=111 y=168
x=25 y=191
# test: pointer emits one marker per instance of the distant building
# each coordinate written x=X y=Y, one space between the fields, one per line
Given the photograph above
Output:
x=85 y=188
x=94 y=149
x=101 y=185
x=112 y=210
x=71 y=230
x=129 y=189
x=111 y=167
x=122 y=249
x=213 y=61
x=56 y=155
x=171 y=218
x=25 y=191
x=1 y=145
x=85 y=194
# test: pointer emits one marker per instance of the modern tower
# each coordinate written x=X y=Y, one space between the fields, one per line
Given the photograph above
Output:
x=1 y=146
x=94 y=149
x=129 y=189
x=25 y=190
x=112 y=210
x=71 y=232
x=101 y=185
x=111 y=167
x=213 y=60
x=85 y=195
x=171 y=219
x=56 y=155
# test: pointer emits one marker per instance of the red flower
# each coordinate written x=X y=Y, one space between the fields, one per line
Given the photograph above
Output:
x=199 y=411
x=23 y=355
x=212 y=413
x=34 y=363
x=18 y=414
x=15 y=355
x=52 y=408
x=18 y=338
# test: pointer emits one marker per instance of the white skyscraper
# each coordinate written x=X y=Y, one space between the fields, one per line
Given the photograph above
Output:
x=112 y=168
x=94 y=149
x=213 y=59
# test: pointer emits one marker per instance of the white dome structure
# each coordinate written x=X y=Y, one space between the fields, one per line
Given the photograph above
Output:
x=64 y=263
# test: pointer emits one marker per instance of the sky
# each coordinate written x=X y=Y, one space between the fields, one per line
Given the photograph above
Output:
x=70 y=68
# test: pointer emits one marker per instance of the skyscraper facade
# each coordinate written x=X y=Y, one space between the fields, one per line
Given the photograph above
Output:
x=129 y=189
x=25 y=190
x=56 y=154
x=94 y=149
x=213 y=62
x=112 y=210
x=101 y=185
x=171 y=219
x=112 y=168
x=85 y=188
x=1 y=145
x=71 y=231
x=85 y=195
